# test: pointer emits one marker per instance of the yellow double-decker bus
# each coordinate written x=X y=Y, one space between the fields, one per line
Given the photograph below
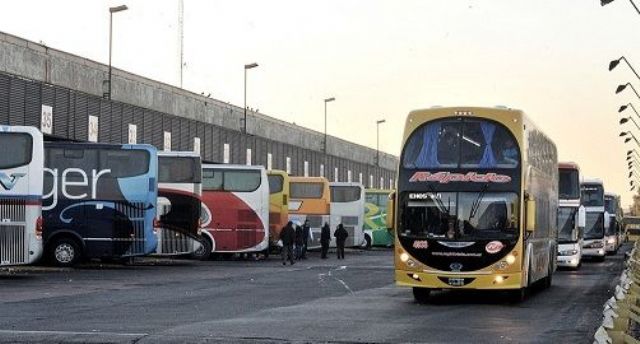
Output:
x=476 y=202
x=278 y=204
x=310 y=200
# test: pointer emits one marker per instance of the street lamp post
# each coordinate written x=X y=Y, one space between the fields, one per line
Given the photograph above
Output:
x=626 y=119
x=631 y=137
x=621 y=88
x=246 y=67
x=629 y=105
x=378 y=140
x=327 y=100
x=606 y=2
x=112 y=10
x=613 y=64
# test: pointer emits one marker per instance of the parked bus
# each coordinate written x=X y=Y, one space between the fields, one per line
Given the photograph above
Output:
x=310 y=200
x=476 y=202
x=376 y=232
x=278 y=204
x=571 y=216
x=613 y=238
x=594 y=232
x=235 y=208
x=178 y=216
x=347 y=208
x=99 y=201
x=21 y=168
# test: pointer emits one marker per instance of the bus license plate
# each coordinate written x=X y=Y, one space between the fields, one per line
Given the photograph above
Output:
x=456 y=282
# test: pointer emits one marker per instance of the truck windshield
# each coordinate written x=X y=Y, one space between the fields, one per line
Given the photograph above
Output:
x=461 y=215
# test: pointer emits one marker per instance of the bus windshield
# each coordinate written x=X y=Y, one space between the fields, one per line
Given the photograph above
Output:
x=610 y=205
x=594 y=228
x=179 y=170
x=454 y=143
x=343 y=194
x=566 y=223
x=592 y=195
x=462 y=216
x=569 y=184
x=15 y=150
x=306 y=190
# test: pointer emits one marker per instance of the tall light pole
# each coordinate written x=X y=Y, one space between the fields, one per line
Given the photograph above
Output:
x=327 y=100
x=378 y=122
x=621 y=88
x=613 y=64
x=112 y=10
x=605 y=2
x=246 y=67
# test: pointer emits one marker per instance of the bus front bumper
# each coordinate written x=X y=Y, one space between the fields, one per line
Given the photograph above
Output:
x=594 y=252
x=446 y=280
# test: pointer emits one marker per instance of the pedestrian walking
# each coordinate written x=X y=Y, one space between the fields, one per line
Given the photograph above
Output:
x=306 y=235
x=287 y=236
x=299 y=241
x=341 y=236
x=325 y=238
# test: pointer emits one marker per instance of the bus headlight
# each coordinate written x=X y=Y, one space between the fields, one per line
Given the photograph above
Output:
x=498 y=280
x=611 y=241
x=510 y=259
x=404 y=257
x=568 y=252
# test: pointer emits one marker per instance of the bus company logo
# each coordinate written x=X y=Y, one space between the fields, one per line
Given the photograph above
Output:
x=469 y=177
x=8 y=182
x=455 y=266
x=494 y=247
x=421 y=244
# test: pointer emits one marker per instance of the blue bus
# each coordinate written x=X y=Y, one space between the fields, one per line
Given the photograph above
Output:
x=99 y=201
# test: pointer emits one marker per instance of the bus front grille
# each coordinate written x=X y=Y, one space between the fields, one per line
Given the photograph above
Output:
x=132 y=241
x=12 y=245
x=174 y=242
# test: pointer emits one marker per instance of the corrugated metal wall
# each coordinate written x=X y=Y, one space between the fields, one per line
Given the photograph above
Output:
x=21 y=103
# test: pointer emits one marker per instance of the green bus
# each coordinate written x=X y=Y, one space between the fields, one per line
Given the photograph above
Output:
x=375 y=215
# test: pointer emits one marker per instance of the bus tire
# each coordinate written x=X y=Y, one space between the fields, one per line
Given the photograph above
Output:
x=600 y=258
x=204 y=251
x=421 y=295
x=367 y=242
x=519 y=295
x=65 y=252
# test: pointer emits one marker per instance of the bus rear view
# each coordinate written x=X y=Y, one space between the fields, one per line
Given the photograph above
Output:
x=347 y=208
x=594 y=232
x=310 y=200
x=21 y=165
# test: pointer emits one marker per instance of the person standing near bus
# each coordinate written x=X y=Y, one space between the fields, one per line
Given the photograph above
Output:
x=287 y=235
x=299 y=241
x=306 y=234
x=325 y=238
x=341 y=236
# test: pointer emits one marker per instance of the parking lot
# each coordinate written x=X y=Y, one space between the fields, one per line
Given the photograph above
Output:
x=355 y=300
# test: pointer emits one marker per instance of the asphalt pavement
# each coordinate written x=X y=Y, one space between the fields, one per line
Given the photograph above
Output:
x=330 y=301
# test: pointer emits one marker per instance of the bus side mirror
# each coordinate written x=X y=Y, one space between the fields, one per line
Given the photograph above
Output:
x=607 y=220
x=531 y=215
x=582 y=217
x=390 y=212
x=285 y=201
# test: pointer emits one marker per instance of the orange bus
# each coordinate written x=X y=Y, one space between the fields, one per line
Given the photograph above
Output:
x=310 y=200
x=278 y=204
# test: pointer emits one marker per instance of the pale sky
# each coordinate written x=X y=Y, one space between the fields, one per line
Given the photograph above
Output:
x=380 y=59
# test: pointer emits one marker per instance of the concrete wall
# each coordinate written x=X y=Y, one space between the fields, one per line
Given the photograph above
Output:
x=35 y=61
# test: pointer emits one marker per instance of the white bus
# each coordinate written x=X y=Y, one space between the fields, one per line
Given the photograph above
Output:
x=347 y=207
x=592 y=198
x=178 y=217
x=235 y=201
x=21 y=169
x=613 y=230
x=571 y=216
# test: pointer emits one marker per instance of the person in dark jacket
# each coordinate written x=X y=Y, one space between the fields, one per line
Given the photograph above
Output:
x=306 y=234
x=325 y=239
x=299 y=241
x=341 y=236
x=288 y=236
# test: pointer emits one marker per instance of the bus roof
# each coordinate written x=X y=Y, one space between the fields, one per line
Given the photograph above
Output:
x=189 y=154
x=610 y=194
x=233 y=167
x=298 y=179
x=92 y=145
x=569 y=165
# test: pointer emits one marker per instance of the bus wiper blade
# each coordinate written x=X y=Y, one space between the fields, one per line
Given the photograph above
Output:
x=475 y=206
x=438 y=201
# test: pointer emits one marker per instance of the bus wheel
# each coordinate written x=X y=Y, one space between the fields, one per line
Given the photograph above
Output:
x=519 y=295
x=65 y=252
x=367 y=242
x=421 y=295
x=204 y=251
